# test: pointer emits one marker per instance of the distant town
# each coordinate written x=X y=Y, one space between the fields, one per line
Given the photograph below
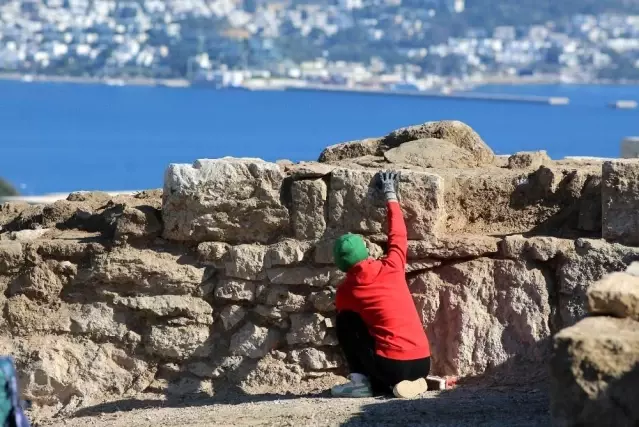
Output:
x=407 y=45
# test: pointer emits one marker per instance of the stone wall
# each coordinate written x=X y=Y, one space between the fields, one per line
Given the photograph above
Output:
x=224 y=279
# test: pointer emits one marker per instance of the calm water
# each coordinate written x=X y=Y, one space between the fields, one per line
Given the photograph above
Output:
x=63 y=137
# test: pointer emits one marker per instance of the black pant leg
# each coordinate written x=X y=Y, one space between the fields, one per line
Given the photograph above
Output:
x=358 y=347
x=391 y=372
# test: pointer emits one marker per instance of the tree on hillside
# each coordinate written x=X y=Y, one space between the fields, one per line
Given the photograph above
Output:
x=7 y=189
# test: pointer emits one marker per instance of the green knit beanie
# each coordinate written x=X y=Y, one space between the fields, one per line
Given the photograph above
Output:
x=348 y=250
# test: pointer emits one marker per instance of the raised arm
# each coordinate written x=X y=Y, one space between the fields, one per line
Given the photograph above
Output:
x=397 y=234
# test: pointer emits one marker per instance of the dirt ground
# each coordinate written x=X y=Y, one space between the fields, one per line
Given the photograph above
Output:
x=459 y=407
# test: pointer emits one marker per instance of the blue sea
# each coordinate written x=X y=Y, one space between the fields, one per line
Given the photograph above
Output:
x=59 y=137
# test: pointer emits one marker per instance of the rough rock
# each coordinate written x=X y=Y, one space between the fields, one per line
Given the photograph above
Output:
x=271 y=376
x=138 y=222
x=481 y=313
x=308 y=170
x=355 y=205
x=620 y=201
x=213 y=253
x=253 y=341
x=529 y=160
x=288 y=251
x=39 y=282
x=306 y=329
x=308 y=209
x=595 y=372
x=578 y=270
x=101 y=322
x=282 y=298
x=235 y=290
x=26 y=317
x=60 y=369
x=316 y=277
x=11 y=257
x=452 y=247
x=29 y=235
x=351 y=149
x=170 y=306
x=229 y=200
x=538 y=248
x=313 y=359
x=431 y=153
x=247 y=261
x=147 y=271
x=455 y=132
x=232 y=315
x=178 y=343
x=615 y=295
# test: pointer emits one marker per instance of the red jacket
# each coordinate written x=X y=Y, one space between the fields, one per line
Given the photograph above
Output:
x=378 y=292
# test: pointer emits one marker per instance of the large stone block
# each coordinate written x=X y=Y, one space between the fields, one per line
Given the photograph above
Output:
x=481 y=313
x=594 y=374
x=580 y=268
x=620 y=201
x=309 y=209
x=230 y=200
x=355 y=204
x=615 y=295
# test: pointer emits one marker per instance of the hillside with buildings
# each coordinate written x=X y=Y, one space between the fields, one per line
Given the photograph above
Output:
x=403 y=44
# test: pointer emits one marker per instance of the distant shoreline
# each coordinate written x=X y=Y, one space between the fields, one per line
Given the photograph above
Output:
x=183 y=83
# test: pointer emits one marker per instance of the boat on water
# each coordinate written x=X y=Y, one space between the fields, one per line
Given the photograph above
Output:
x=114 y=82
x=623 y=104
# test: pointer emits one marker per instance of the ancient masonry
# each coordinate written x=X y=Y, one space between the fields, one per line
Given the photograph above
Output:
x=224 y=278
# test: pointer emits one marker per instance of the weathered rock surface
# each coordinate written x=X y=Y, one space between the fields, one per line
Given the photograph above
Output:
x=595 y=372
x=231 y=200
x=615 y=295
x=620 y=194
x=431 y=153
x=529 y=160
x=455 y=132
x=355 y=204
x=479 y=314
x=309 y=208
x=352 y=149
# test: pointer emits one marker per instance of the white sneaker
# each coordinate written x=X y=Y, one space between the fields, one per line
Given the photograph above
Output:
x=410 y=389
x=359 y=386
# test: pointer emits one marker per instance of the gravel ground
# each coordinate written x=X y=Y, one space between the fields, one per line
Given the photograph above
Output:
x=458 y=407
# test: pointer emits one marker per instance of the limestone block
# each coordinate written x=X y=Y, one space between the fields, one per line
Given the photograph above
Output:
x=580 y=268
x=615 y=295
x=59 y=368
x=229 y=200
x=316 y=277
x=529 y=160
x=431 y=153
x=306 y=328
x=213 y=253
x=620 y=201
x=314 y=359
x=355 y=205
x=309 y=209
x=594 y=374
x=177 y=342
x=235 y=290
x=280 y=297
x=453 y=131
x=288 y=251
x=146 y=270
x=170 y=306
x=351 y=149
x=11 y=256
x=253 y=341
x=231 y=315
x=247 y=262
x=492 y=310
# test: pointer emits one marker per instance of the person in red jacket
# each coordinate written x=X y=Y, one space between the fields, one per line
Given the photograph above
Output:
x=378 y=327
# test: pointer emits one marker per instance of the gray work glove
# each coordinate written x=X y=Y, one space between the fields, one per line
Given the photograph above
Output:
x=388 y=182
